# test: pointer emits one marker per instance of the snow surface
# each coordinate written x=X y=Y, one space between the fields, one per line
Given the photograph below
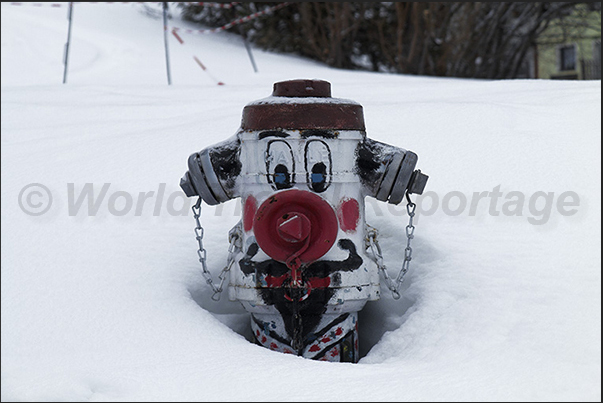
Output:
x=113 y=308
x=306 y=100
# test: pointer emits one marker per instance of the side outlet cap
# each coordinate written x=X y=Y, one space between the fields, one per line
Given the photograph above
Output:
x=417 y=182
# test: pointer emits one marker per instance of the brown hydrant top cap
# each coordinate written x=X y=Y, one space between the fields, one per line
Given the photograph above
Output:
x=302 y=105
x=302 y=88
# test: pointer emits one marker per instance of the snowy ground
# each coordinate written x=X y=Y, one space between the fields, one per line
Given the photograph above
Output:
x=113 y=308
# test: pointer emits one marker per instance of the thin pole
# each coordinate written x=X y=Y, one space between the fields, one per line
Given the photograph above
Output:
x=245 y=41
x=165 y=40
x=66 y=55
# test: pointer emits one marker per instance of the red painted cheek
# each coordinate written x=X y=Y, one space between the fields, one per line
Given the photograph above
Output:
x=251 y=206
x=348 y=214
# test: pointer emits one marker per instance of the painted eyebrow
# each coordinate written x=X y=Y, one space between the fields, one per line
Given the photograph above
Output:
x=273 y=133
x=325 y=134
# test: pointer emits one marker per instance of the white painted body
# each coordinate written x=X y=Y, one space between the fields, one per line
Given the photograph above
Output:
x=356 y=287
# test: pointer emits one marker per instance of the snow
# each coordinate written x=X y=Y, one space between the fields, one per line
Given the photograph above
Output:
x=102 y=307
x=306 y=100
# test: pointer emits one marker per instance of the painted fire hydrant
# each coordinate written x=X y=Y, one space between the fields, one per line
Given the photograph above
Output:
x=302 y=259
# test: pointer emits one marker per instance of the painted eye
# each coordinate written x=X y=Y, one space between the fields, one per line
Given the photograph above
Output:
x=280 y=165
x=318 y=165
x=318 y=177
x=282 y=178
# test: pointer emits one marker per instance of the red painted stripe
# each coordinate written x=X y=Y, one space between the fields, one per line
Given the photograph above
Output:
x=178 y=37
x=235 y=22
x=276 y=282
x=211 y=4
x=67 y=4
x=199 y=63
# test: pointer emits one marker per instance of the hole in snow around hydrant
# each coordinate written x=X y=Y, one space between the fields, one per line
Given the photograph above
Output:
x=374 y=320
x=231 y=314
x=377 y=317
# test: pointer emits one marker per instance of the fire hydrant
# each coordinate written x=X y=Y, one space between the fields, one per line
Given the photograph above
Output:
x=302 y=259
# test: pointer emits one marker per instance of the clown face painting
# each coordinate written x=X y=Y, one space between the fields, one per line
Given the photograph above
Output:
x=302 y=165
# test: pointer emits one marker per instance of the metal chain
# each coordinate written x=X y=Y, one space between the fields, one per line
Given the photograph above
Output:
x=297 y=341
x=234 y=237
x=373 y=244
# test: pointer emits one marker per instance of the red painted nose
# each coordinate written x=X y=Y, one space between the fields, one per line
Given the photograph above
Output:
x=295 y=223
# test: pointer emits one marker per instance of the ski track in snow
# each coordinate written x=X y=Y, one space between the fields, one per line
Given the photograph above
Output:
x=108 y=308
